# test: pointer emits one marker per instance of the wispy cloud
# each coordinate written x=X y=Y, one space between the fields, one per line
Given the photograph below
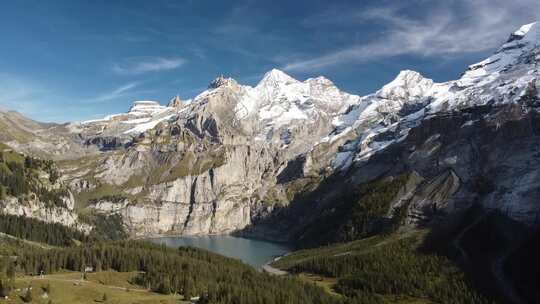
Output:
x=117 y=92
x=140 y=65
x=456 y=27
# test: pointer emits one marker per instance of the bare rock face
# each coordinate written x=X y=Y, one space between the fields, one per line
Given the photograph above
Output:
x=207 y=170
x=34 y=208
x=197 y=198
x=220 y=81
x=176 y=102
x=81 y=185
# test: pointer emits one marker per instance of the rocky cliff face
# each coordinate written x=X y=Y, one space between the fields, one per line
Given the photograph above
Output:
x=468 y=141
x=212 y=165
x=35 y=208
x=275 y=157
x=30 y=187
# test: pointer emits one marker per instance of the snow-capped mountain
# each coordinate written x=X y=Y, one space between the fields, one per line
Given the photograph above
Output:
x=226 y=158
x=482 y=126
x=503 y=78
x=280 y=101
x=142 y=116
x=118 y=130
x=271 y=111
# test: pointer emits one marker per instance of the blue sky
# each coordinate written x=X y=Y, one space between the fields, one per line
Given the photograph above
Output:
x=74 y=60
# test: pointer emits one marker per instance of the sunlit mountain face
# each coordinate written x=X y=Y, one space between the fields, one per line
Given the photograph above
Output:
x=247 y=152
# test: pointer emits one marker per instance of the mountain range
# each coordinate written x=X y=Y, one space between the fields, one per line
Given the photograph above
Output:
x=284 y=159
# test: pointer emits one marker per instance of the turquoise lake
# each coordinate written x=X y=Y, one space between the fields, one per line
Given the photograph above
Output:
x=253 y=252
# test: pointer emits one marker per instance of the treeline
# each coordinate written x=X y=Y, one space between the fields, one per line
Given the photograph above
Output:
x=397 y=268
x=13 y=179
x=13 y=246
x=38 y=231
x=358 y=213
x=105 y=227
x=190 y=272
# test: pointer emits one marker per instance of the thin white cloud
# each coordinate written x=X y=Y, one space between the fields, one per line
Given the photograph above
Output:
x=140 y=65
x=453 y=28
x=117 y=92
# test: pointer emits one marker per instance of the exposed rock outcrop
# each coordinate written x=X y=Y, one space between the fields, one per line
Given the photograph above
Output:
x=176 y=102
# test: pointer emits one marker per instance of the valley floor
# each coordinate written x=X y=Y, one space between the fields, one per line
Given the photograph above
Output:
x=69 y=288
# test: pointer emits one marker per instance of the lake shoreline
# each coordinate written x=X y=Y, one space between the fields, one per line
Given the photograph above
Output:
x=233 y=234
x=268 y=268
x=255 y=252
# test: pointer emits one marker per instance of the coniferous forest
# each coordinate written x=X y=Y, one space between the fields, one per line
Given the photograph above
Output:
x=367 y=273
x=187 y=271
x=386 y=265
x=35 y=230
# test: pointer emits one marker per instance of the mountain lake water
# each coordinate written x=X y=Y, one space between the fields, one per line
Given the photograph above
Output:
x=251 y=251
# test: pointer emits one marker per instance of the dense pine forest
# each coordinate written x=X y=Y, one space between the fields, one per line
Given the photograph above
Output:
x=368 y=269
x=35 y=230
x=191 y=272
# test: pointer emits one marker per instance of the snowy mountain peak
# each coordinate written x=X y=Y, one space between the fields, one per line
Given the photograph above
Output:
x=320 y=80
x=520 y=50
x=526 y=36
x=408 y=84
x=408 y=75
x=145 y=107
x=276 y=76
x=220 y=82
x=522 y=31
x=531 y=32
x=176 y=102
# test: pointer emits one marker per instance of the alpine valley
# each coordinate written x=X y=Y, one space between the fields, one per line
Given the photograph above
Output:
x=426 y=179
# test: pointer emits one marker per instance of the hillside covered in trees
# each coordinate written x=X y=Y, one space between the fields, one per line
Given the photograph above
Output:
x=186 y=271
x=381 y=268
x=26 y=177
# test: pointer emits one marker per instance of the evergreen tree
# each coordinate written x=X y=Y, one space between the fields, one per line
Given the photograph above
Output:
x=5 y=287
x=10 y=272
x=27 y=297
x=188 y=289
